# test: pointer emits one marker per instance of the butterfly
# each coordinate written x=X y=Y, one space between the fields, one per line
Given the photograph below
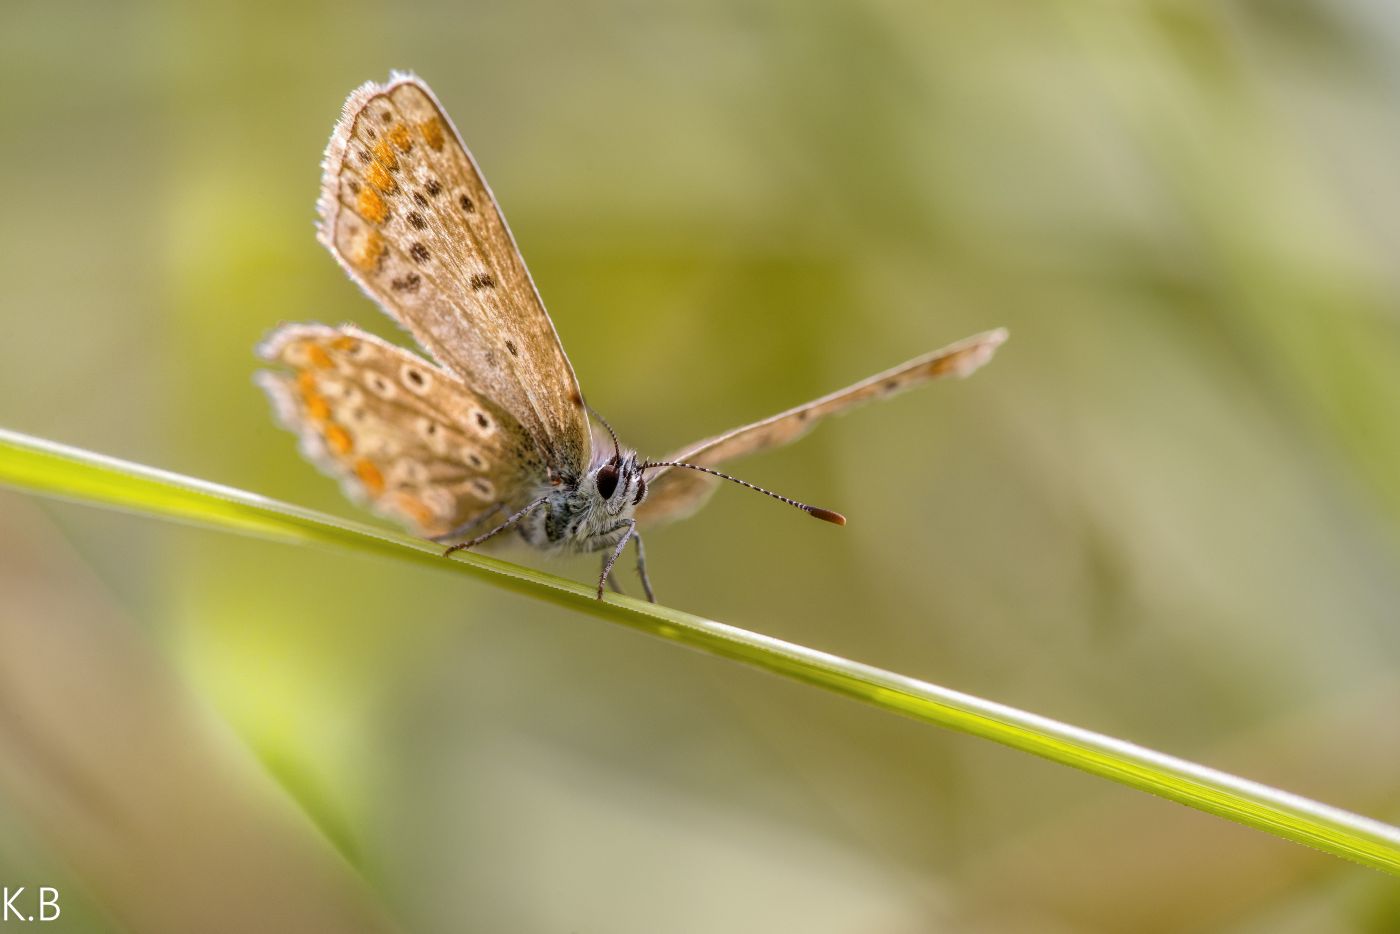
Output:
x=492 y=433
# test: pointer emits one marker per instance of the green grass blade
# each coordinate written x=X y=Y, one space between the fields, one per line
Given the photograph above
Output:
x=41 y=467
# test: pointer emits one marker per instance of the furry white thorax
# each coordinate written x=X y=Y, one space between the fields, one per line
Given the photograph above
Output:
x=591 y=513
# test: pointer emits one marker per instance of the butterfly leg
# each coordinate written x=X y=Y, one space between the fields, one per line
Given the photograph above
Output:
x=466 y=528
x=516 y=517
x=616 y=552
x=642 y=567
x=612 y=579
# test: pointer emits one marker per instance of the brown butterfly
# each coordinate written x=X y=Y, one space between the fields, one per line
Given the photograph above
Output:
x=495 y=433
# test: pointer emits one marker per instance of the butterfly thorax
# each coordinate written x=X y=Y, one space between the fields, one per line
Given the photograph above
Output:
x=591 y=513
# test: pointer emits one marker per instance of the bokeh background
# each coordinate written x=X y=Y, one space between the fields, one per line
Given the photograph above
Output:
x=1168 y=511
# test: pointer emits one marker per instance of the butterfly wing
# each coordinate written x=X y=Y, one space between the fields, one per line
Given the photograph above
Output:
x=400 y=433
x=407 y=214
x=674 y=493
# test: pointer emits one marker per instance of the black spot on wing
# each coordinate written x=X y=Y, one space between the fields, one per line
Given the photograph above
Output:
x=408 y=283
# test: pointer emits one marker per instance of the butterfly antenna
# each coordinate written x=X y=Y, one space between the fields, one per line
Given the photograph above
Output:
x=617 y=445
x=825 y=515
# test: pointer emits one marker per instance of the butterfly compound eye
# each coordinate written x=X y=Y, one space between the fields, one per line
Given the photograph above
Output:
x=607 y=481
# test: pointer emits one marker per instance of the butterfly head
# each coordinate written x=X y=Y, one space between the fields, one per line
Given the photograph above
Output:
x=617 y=485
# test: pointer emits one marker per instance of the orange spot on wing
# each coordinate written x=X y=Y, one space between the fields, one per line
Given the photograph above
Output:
x=306 y=381
x=400 y=138
x=384 y=154
x=378 y=176
x=317 y=409
x=344 y=342
x=370 y=476
x=318 y=356
x=371 y=206
x=432 y=132
x=415 y=508
x=338 y=439
x=368 y=251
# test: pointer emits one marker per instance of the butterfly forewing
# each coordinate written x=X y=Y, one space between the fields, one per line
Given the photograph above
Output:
x=406 y=212
x=676 y=492
x=399 y=432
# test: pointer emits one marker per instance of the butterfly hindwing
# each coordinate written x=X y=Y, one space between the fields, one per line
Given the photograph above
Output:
x=407 y=213
x=676 y=492
x=399 y=432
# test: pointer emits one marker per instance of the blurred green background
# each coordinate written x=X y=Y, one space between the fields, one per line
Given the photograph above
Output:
x=1168 y=511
